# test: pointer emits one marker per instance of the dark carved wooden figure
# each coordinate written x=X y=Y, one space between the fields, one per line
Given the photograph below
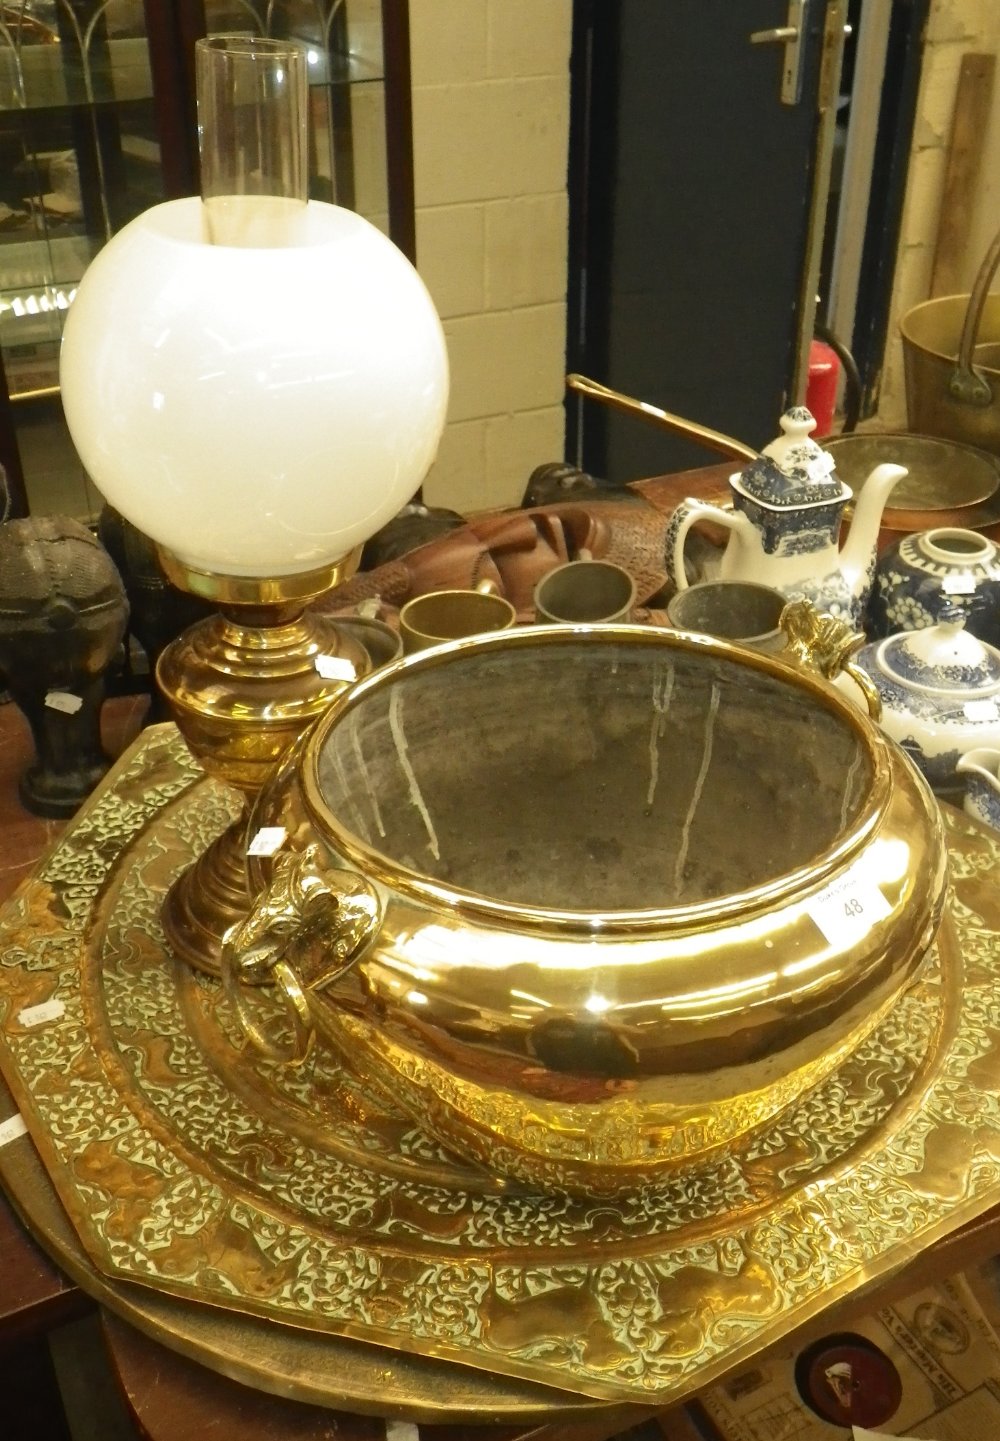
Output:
x=62 y=618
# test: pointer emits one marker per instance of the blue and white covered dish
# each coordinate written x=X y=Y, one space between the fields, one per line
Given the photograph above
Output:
x=940 y=691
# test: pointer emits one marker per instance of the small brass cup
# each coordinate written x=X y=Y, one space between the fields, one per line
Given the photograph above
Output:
x=443 y=615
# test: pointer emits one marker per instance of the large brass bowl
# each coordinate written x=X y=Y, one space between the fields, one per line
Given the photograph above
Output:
x=590 y=903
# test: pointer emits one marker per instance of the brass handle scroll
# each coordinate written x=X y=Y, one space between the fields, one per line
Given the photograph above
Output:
x=825 y=644
x=303 y=932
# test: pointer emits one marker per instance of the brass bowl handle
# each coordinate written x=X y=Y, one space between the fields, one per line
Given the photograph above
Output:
x=303 y=932
x=826 y=644
x=967 y=384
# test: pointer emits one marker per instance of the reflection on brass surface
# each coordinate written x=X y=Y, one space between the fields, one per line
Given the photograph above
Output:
x=300 y=588
x=640 y=890
x=932 y=334
x=307 y=1196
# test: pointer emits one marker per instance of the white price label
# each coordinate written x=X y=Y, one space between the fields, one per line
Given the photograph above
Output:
x=63 y=700
x=267 y=841
x=848 y=910
x=860 y=1433
x=401 y=1431
x=13 y=1127
x=335 y=667
x=961 y=584
x=820 y=466
x=41 y=1014
x=981 y=710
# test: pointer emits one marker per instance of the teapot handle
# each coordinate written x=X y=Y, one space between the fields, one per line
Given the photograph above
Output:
x=684 y=517
x=303 y=932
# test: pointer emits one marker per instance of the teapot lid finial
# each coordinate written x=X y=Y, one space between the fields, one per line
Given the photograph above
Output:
x=798 y=421
x=794 y=470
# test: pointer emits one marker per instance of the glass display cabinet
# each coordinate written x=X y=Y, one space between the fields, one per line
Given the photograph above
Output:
x=97 y=122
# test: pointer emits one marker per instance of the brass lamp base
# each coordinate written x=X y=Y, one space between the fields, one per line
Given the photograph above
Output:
x=241 y=686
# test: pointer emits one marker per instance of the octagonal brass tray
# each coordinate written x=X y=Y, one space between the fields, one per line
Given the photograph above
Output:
x=191 y=1169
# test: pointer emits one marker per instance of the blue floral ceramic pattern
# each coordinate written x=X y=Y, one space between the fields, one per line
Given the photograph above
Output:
x=830 y=594
x=784 y=524
x=896 y=697
x=904 y=663
x=982 y=800
x=783 y=532
x=766 y=482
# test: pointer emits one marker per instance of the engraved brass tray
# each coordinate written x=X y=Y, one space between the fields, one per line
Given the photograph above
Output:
x=193 y=1169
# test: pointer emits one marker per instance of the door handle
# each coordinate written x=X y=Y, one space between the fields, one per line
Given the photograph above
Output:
x=789 y=35
x=778 y=35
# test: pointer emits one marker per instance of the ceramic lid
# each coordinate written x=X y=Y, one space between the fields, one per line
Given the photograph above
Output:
x=943 y=658
x=793 y=471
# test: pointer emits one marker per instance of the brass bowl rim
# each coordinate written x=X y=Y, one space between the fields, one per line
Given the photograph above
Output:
x=604 y=925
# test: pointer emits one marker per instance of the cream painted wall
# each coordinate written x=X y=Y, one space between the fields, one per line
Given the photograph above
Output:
x=954 y=27
x=490 y=139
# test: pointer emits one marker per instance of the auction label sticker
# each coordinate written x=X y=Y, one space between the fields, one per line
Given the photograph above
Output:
x=40 y=1014
x=401 y=1431
x=13 y=1127
x=961 y=584
x=335 y=667
x=981 y=710
x=848 y=909
x=64 y=701
x=267 y=841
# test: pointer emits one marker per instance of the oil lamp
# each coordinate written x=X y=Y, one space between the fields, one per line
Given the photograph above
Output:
x=257 y=381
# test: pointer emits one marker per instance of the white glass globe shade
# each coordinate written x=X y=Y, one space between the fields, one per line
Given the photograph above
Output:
x=256 y=411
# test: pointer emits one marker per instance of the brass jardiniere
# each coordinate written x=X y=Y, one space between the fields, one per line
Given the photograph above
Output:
x=591 y=902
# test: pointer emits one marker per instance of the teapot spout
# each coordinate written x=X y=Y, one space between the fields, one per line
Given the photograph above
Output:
x=859 y=548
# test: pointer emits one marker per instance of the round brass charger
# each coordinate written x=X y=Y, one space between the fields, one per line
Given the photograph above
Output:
x=944 y=477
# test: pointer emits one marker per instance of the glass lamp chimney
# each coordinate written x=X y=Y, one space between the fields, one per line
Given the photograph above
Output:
x=253 y=139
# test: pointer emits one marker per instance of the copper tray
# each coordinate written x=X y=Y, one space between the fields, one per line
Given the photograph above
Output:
x=188 y=1168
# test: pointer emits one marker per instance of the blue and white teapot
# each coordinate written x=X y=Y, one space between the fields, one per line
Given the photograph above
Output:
x=784 y=524
x=940 y=693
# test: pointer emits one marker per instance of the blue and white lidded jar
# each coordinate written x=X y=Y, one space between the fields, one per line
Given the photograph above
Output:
x=923 y=573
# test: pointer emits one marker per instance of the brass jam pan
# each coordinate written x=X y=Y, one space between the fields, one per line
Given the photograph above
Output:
x=945 y=479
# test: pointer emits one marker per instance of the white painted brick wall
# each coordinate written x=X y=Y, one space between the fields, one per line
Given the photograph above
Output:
x=490 y=140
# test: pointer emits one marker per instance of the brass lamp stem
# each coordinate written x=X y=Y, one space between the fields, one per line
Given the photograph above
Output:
x=242 y=685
